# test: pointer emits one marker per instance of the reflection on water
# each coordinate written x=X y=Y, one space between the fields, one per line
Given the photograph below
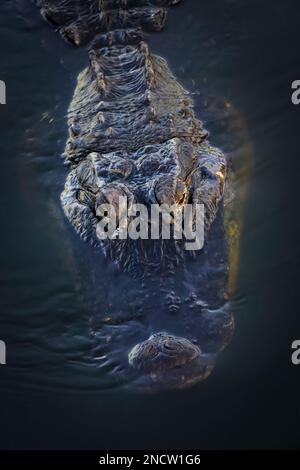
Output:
x=53 y=285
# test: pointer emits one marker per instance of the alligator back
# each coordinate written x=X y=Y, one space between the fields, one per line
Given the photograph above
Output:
x=79 y=21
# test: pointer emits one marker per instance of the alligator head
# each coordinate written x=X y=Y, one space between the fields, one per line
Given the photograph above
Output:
x=133 y=136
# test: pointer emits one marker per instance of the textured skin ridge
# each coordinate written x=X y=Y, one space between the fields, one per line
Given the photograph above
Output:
x=134 y=101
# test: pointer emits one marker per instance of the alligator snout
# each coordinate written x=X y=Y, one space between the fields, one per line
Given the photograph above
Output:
x=169 y=360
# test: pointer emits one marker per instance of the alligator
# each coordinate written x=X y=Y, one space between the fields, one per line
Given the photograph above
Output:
x=133 y=133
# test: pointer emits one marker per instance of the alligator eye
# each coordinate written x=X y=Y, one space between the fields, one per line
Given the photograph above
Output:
x=86 y=176
x=84 y=198
x=206 y=173
x=169 y=346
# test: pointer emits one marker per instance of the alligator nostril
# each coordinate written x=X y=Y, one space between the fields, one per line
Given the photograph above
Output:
x=169 y=346
x=151 y=349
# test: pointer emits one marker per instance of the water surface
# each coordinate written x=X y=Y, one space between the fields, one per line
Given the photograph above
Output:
x=238 y=58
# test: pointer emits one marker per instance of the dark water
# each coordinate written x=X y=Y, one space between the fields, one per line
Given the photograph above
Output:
x=239 y=59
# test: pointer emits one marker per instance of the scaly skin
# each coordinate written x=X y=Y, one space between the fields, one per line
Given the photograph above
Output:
x=133 y=132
